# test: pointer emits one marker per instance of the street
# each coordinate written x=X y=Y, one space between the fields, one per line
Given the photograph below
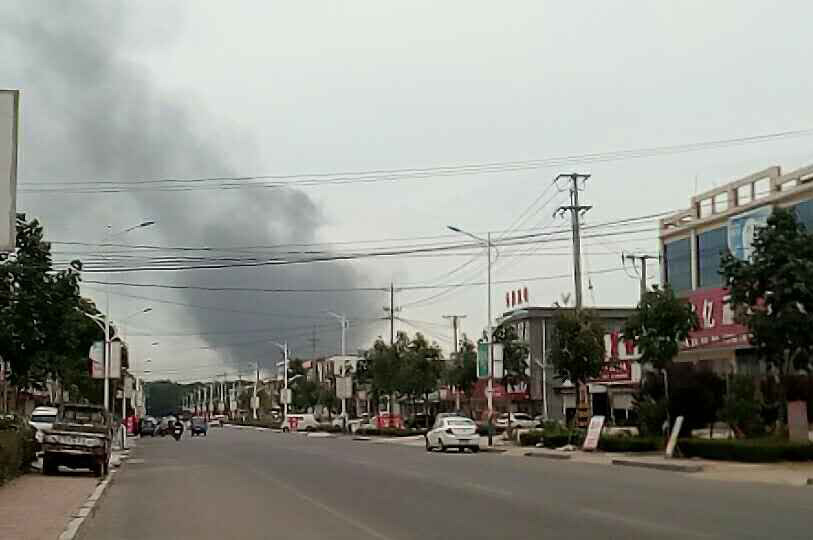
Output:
x=252 y=484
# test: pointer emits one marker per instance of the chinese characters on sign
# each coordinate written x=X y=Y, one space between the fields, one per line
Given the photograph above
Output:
x=716 y=318
x=618 y=360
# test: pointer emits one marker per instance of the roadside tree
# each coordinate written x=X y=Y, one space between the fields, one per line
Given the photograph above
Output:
x=578 y=348
x=658 y=326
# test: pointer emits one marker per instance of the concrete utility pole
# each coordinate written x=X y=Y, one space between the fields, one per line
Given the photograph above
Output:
x=392 y=310
x=455 y=319
x=575 y=214
x=643 y=258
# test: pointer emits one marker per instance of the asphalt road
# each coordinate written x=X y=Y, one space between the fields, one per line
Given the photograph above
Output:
x=248 y=484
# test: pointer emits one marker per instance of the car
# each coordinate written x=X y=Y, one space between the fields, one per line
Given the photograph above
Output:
x=81 y=437
x=215 y=422
x=520 y=420
x=420 y=421
x=453 y=432
x=148 y=426
x=42 y=420
x=199 y=426
x=303 y=422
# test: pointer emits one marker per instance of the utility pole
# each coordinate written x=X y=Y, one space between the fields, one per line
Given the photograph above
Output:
x=455 y=319
x=392 y=310
x=643 y=258
x=314 y=340
x=576 y=212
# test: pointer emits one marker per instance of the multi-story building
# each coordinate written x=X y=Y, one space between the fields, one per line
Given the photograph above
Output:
x=610 y=394
x=693 y=240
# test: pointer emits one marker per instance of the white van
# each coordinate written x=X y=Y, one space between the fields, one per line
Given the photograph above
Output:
x=300 y=422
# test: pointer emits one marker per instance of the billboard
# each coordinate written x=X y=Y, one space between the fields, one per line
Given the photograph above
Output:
x=742 y=229
x=717 y=325
x=9 y=120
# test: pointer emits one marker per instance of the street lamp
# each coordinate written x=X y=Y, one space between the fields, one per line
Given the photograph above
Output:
x=107 y=341
x=487 y=242
x=284 y=348
x=343 y=319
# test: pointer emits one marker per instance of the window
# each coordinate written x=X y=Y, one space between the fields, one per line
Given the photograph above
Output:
x=711 y=245
x=678 y=264
x=460 y=422
x=44 y=418
x=804 y=213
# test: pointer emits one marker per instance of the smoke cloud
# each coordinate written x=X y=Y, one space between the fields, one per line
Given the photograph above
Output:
x=90 y=110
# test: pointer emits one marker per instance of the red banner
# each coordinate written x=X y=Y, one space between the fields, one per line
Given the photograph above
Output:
x=717 y=325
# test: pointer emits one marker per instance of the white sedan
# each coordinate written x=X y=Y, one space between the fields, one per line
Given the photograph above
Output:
x=453 y=432
x=517 y=420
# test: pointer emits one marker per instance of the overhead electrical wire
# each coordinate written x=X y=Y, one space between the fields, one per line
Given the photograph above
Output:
x=299 y=180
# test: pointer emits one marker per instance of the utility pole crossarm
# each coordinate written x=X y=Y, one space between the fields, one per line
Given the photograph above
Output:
x=576 y=211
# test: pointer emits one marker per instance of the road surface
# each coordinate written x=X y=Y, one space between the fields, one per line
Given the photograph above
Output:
x=248 y=484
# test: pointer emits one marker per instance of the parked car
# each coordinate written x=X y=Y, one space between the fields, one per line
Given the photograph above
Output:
x=521 y=420
x=420 y=421
x=42 y=420
x=304 y=422
x=199 y=426
x=453 y=432
x=218 y=420
x=148 y=426
x=81 y=437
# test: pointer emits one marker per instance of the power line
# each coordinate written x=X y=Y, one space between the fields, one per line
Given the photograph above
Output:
x=106 y=186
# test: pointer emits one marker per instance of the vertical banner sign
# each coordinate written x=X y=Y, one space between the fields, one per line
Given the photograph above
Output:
x=498 y=360
x=9 y=120
x=673 y=438
x=482 y=360
x=593 y=433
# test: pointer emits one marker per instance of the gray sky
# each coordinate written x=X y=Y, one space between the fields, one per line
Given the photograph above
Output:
x=202 y=89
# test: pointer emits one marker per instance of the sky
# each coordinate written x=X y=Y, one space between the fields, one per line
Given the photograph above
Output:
x=131 y=92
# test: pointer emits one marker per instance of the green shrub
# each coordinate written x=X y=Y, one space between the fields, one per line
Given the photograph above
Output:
x=17 y=446
x=555 y=440
x=530 y=438
x=749 y=450
x=629 y=444
x=368 y=431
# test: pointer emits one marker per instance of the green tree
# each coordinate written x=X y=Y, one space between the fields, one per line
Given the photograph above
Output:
x=43 y=334
x=304 y=393
x=420 y=369
x=578 y=347
x=515 y=357
x=772 y=294
x=462 y=374
x=660 y=323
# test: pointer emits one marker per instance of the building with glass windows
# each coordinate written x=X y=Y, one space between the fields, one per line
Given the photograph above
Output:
x=693 y=240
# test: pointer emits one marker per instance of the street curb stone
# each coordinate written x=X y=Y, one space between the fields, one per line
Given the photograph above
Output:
x=86 y=510
x=548 y=455
x=674 y=467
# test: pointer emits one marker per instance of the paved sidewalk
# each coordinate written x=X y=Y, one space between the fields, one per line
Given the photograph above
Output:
x=794 y=474
x=37 y=507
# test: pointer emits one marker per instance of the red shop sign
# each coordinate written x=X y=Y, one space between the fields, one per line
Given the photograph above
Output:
x=716 y=318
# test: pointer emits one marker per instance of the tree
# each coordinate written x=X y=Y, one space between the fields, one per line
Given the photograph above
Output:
x=304 y=393
x=463 y=372
x=514 y=358
x=419 y=369
x=658 y=326
x=43 y=333
x=772 y=294
x=578 y=348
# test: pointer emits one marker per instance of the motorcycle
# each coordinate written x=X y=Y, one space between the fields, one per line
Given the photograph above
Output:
x=177 y=431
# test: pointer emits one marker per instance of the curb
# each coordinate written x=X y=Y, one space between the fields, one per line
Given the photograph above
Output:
x=548 y=455
x=674 y=467
x=89 y=506
x=493 y=450
x=360 y=438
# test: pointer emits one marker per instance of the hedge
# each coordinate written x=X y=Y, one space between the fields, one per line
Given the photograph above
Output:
x=16 y=447
x=390 y=432
x=749 y=450
x=531 y=438
x=555 y=440
x=629 y=444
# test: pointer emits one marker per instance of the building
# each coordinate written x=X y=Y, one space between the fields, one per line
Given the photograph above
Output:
x=611 y=394
x=691 y=244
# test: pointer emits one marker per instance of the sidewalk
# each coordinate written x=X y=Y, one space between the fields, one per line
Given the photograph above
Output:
x=794 y=474
x=37 y=507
